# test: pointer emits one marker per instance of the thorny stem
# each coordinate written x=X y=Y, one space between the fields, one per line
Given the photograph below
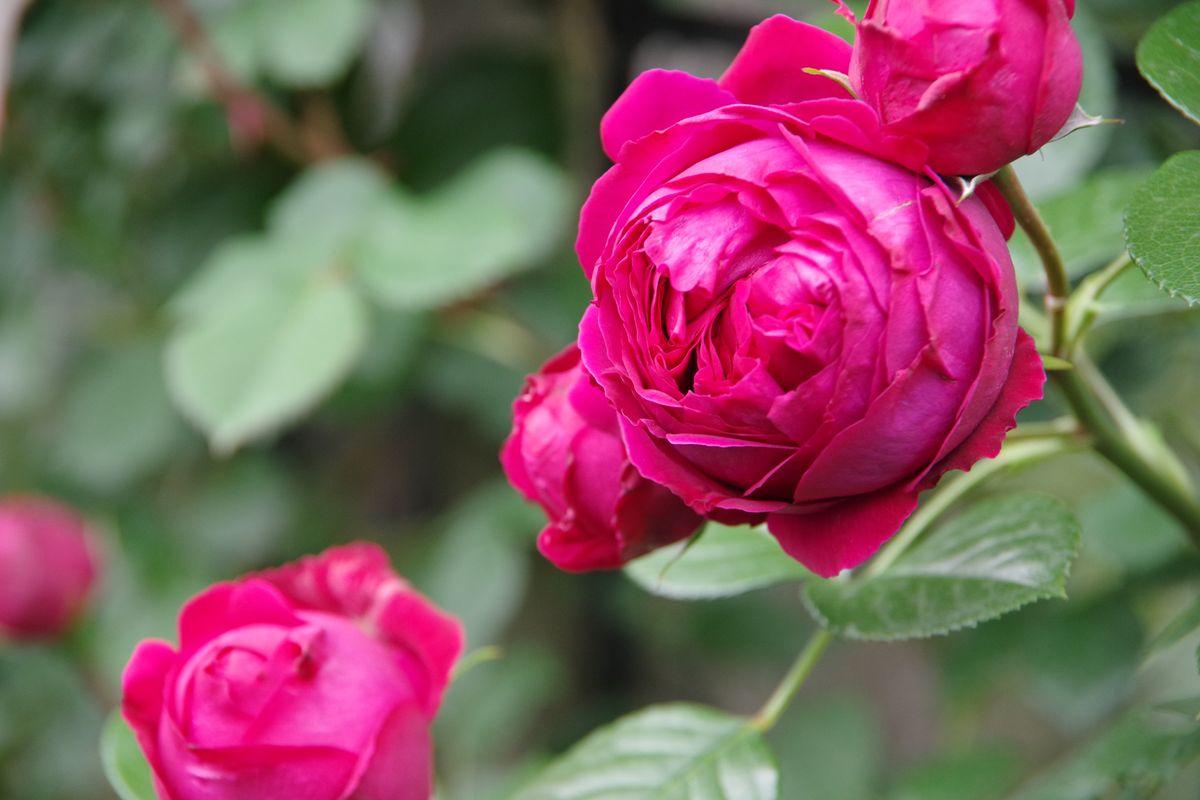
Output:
x=251 y=116
x=1058 y=285
x=1115 y=431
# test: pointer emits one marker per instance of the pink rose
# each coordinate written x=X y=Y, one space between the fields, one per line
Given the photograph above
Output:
x=314 y=681
x=794 y=318
x=565 y=453
x=48 y=563
x=981 y=82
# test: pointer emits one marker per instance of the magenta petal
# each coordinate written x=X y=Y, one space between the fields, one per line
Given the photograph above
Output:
x=846 y=533
x=433 y=637
x=1024 y=385
x=230 y=605
x=401 y=766
x=769 y=70
x=656 y=100
x=997 y=206
x=297 y=773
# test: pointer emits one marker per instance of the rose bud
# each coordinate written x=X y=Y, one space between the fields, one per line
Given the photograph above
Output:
x=795 y=319
x=48 y=563
x=981 y=82
x=314 y=681
x=566 y=453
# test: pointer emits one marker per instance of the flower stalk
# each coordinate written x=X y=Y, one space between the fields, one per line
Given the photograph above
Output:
x=1116 y=433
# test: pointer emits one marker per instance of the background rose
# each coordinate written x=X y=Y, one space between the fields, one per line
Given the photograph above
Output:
x=48 y=563
x=566 y=454
x=982 y=82
x=793 y=323
x=315 y=680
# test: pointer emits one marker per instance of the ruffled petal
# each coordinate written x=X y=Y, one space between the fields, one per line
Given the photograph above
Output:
x=656 y=100
x=769 y=70
x=845 y=534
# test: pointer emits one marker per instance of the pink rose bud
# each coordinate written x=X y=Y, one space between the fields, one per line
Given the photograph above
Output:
x=566 y=453
x=314 y=681
x=48 y=563
x=981 y=82
x=796 y=321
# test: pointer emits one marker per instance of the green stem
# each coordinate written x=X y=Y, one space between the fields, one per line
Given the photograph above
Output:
x=801 y=668
x=1110 y=442
x=1058 y=285
x=1115 y=432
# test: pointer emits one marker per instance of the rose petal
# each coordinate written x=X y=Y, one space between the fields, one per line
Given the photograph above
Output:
x=769 y=68
x=846 y=533
x=656 y=100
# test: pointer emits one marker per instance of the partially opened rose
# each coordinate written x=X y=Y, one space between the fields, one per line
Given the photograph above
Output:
x=48 y=563
x=795 y=320
x=315 y=681
x=566 y=454
x=982 y=82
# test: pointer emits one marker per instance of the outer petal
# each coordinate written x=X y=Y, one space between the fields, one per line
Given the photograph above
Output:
x=231 y=605
x=769 y=70
x=357 y=581
x=656 y=100
x=1024 y=385
x=846 y=533
x=401 y=764
x=435 y=639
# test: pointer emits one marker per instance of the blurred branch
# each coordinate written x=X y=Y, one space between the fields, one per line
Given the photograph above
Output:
x=10 y=23
x=252 y=116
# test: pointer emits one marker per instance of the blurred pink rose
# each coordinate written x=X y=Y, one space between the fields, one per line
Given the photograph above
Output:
x=795 y=319
x=314 y=681
x=565 y=453
x=48 y=563
x=981 y=82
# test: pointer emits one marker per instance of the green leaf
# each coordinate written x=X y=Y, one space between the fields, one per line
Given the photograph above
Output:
x=117 y=423
x=262 y=347
x=503 y=214
x=124 y=765
x=331 y=201
x=1178 y=629
x=310 y=43
x=1086 y=224
x=669 y=752
x=1169 y=58
x=1162 y=227
x=723 y=561
x=1135 y=757
x=998 y=556
x=977 y=775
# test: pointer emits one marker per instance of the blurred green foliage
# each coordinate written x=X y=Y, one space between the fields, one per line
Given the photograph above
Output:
x=231 y=346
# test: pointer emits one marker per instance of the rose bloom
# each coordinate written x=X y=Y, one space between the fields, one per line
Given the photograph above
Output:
x=314 y=681
x=48 y=563
x=794 y=318
x=982 y=82
x=566 y=453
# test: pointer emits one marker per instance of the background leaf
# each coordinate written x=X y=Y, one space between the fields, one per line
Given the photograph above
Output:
x=1135 y=757
x=262 y=354
x=1162 y=227
x=124 y=765
x=671 y=752
x=1169 y=58
x=996 y=557
x=724 y=561
x=504 y=213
